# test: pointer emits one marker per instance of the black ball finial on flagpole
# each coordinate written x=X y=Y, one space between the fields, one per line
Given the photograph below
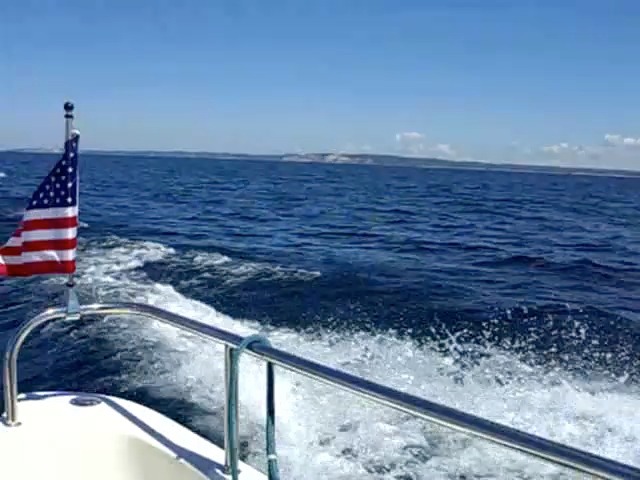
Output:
x=68 y=120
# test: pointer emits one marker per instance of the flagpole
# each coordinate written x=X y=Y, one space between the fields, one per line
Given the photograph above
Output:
x=73 y=306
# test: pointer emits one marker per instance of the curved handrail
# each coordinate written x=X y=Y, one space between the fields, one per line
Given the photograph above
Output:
x=556 y=453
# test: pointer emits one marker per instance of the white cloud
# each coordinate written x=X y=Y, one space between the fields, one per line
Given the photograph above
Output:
x=445 y=149
x=616 y=147
x=617 y=140
x=413 y=143
x=410 y=142
x=616 y=151
x=564 y=147
x=352 y=147
x=409 y=137
x=555 y=148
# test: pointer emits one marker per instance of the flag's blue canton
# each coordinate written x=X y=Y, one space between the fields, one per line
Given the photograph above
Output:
x=59 y=188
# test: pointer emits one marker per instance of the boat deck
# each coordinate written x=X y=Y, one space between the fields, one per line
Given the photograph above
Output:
x=73 y=436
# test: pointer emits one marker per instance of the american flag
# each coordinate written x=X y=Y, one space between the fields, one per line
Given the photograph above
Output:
x=46 y=239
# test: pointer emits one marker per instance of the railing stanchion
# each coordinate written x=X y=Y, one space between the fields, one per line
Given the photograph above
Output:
x=228 y=352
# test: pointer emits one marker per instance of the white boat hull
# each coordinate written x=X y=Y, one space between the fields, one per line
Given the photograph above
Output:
x=75 y=436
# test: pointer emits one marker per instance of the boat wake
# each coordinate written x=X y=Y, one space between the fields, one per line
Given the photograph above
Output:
x=324 y=433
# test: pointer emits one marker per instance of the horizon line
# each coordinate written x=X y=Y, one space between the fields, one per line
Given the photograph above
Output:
x=454 y=163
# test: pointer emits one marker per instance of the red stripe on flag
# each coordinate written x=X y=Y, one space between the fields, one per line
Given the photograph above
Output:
x=37 y=268
x=39 y=246
x=49 y=223
x=11 y=251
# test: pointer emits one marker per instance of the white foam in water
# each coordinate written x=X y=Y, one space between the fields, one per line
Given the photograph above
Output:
x=240 y=271
x=324 y=433
x=3 y=175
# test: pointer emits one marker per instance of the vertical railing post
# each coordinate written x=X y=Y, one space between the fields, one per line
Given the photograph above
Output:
x=73 y=306
x=228 y=450
x=10 y=387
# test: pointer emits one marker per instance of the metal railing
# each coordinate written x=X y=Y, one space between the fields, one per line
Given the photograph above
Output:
x=541 y=448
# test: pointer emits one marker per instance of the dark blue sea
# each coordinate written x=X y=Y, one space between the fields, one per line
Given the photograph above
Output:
x=511 y=295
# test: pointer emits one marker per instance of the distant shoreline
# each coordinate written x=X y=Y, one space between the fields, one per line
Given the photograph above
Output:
x=356 y=159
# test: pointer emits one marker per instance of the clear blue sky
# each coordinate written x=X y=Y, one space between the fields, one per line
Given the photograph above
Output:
x=512 y=80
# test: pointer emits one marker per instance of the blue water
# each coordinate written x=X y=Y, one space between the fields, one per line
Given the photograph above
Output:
x=510 y=295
